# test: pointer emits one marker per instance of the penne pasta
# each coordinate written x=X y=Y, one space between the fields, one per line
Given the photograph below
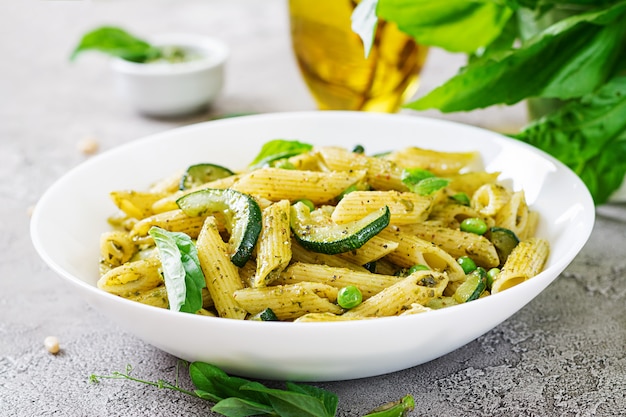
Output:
x=525 y=261
x=289 y=302
x=286 y=184
x=405 y=207
x=221 y=276
x=274 y=245
x=419 y=287
x=368 y=283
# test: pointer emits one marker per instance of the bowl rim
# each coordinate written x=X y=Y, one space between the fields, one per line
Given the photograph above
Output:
x=516 y=298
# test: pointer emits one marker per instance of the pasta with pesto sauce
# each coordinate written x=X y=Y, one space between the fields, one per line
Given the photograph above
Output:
x=408 y=232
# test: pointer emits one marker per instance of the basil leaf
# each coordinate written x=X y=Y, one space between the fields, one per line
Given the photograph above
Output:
x=589 y=136
x=291 y=404
x=183 y=276
x=329 y=399
x=429 y=185
x=218 y=385
x=116 y=42
x=455 y=25
x=411 y=176
x=237 y=407
x=278 y=149
x=364 y=23
x=575 y=56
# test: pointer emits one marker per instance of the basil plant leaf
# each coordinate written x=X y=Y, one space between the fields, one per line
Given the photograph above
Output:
x=589 y=136
x=215 y=383
x=364 y=22
x=569 y=59
x=183 y=276
x=279 y=149
x=117 y=42
x=238 y=407
x=454 y=25
x=329 y=399
x=292 y=404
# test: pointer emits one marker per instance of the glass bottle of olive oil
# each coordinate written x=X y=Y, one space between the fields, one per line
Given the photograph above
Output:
x=332 y=61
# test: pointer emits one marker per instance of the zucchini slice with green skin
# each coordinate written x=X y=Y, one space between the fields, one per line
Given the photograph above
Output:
x=199 y=174
x=504 y=240
x=474 y=285
x=242 y=213
x=336 y=238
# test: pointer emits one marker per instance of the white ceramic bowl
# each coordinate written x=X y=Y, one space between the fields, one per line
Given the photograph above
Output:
x=71 y=215
x=174 y=89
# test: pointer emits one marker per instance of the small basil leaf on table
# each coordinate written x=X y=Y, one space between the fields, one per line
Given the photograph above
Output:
x=292 y=404
x=238 y=407
x=183 y=276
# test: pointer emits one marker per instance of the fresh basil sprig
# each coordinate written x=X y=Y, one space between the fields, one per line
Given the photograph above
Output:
x=183 y=276
x=240 y=397
x=514 y=55
x=117 y=42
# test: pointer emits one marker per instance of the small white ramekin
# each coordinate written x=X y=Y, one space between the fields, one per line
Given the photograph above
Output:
x=174 y=89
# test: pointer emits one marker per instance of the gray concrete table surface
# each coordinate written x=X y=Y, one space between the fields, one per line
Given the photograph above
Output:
x=561 y=355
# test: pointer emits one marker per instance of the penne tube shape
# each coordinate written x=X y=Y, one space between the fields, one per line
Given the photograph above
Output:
x=369 y=284
x=287 y=184
x=221 y=275
x=326 y=317
x=116 y=248
x=525 y=261
x=172 y=221
x=381 y=174
x=490 y=198
x=451 y=215
x=274 y=244
x=132 y=278
x=413 y=250
x=514 y=214
x=457 y=243
x=374 y=249
x=419 y=287
x=299 y=254
x=136 y=204
x=469 y=182
x=438 y=162
x=156 y=297
x=404 y=207
x=288 y=302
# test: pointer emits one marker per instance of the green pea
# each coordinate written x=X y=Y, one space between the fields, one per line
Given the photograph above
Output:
x=474 y=225
x=349 y=297
x=492 y=274
x=467 y=264
x=418 y=267
x=461 y=198
x=307 y=203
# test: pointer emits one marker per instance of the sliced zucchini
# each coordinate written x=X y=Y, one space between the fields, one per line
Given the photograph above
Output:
x=504 y=240
x=242 y=213
x=474 y=285
x=335 y=238
x=265 y=315
x=201 y=174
